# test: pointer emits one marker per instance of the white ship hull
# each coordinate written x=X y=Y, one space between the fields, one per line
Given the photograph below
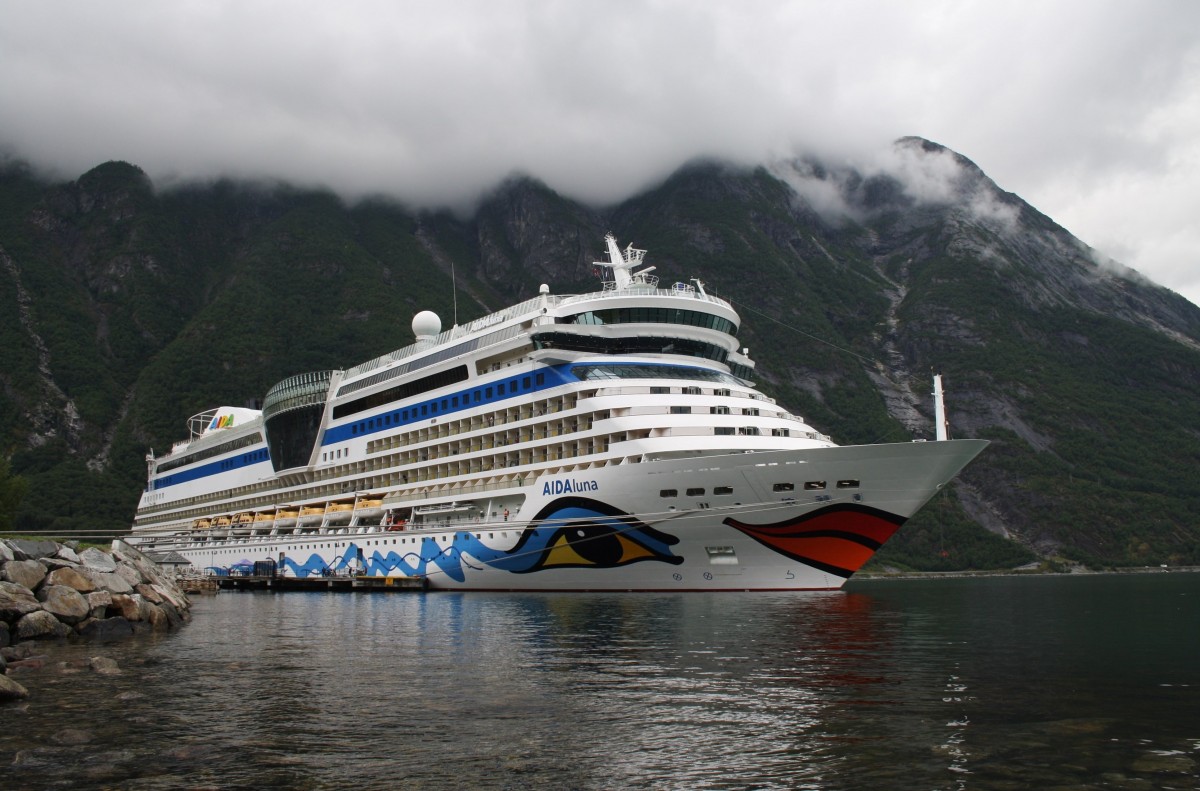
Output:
x=611 y=530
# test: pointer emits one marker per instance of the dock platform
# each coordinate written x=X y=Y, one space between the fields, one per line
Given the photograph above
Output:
x=338 y=584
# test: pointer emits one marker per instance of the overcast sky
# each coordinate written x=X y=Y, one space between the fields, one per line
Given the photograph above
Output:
x=1089 y=110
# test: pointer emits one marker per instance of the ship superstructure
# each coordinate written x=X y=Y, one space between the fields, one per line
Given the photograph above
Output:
x=603 y=441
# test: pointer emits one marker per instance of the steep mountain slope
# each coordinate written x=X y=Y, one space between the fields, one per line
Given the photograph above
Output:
x=128 y=310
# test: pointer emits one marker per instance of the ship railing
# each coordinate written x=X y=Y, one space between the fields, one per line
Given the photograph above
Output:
x=457 y=331
x=634 y=289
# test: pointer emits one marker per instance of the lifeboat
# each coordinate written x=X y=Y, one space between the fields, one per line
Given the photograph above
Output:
x=286 y=516
x=311 y=515
x=368 y=507
x=202 y=524
x=339 y=513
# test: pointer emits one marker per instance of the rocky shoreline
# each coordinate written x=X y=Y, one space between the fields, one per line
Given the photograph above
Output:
x=51 y=591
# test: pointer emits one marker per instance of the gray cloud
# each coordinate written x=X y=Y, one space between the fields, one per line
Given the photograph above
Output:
x=1089 y=112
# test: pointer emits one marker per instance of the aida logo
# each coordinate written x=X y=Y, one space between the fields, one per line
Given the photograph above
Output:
x=221 y=421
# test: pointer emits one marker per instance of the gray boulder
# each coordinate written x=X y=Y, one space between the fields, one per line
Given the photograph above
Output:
x=104 y=665
x=13 y=606
x=72 y=579
x=98 y=560
x=68 y=554
x=6 y=552
x=66 y=604
x=29 y=573
x=113 y=583
x=130 y=575
x=11 y=690
x=99 y=602
x=32 y=550
x=41 y=625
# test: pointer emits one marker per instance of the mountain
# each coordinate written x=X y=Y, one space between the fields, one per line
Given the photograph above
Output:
x=128 y=309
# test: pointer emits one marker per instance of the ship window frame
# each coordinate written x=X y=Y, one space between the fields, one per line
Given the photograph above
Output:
x=849 y=483
x=695 y=491
x=783 y=487
x=668 y=492
x=721 y=491
x=814 y=486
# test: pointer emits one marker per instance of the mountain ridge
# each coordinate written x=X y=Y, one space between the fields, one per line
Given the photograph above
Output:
x=153 y=305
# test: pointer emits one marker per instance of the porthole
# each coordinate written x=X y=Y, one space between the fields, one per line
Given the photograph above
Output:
x=784 y=487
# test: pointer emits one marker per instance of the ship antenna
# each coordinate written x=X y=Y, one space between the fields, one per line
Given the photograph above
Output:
x=454 y=291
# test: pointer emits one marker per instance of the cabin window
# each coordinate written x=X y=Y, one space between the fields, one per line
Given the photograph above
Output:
x=525 y=383
x=487 y=391
x=695 y=492
x=433 y=407
x=371 y=425
x=500 y=389
x=424 y=409
x=681 y=410
x=668 y=493
x=691 y=390
x=454 y=401
x=354 y=429
x=850 y=483
x=722 y=490
x=784 y=487
x=718 y=410
x=443 y=405
x=540 y=379
x=814 y=485
x=781 y=432
x=723 y=431
x=660 y=390
x=750 y=411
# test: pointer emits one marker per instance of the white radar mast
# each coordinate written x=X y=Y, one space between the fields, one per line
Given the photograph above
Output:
x=622 y=263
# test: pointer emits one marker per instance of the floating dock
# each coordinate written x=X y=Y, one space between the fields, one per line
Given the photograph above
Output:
x=339 y=584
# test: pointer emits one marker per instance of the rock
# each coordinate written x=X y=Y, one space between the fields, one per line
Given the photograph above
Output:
x=105 y=666
x=66 y=553
x=18 y=651
x=130 y=575
x=99 y=602
x=32 y=550
x=11 y=690
x=72 y=736
x=129 y=607
x=171 y=593
x=13 y=608
x=72 y=579
x=5 y=639
x=32 y=663
x=66 y=604
x=52 y=564
x=41 y=625
x=156 y=617
x=6 y=552
x=149 y=593
x=112 y=583
x=28 y=573
x=106 y=629
x=98 y=560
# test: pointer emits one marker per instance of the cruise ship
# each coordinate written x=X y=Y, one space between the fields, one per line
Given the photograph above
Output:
x=608 y=441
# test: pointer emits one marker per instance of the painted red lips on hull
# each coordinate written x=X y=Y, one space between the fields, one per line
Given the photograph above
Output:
x=837 y=540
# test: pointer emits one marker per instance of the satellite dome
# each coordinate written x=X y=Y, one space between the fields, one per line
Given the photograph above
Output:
x=426 y=324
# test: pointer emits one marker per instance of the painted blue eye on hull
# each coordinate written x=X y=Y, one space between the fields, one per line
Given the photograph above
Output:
x=571 y=532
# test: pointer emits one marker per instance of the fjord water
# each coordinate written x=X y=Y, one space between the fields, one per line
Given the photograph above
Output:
x=993 y=683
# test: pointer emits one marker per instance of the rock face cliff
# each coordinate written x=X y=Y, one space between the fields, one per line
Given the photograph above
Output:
x=130 y=309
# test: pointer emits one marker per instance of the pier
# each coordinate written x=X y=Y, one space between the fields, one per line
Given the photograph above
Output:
x=337 y=584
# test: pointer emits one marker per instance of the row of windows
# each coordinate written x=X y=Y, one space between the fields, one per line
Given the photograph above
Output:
x=400 y=392
x=635 y=344
x=448 y=404
x=779 y=487
x=244 y=460
x=690 y=318
x=208 y=453
x=651 y=371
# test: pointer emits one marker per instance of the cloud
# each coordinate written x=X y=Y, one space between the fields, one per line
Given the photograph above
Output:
x=435 y=102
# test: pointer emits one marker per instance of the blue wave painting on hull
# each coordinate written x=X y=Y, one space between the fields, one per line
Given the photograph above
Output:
x=572 y=532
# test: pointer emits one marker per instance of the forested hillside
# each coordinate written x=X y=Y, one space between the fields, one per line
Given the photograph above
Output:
x=127 y=309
